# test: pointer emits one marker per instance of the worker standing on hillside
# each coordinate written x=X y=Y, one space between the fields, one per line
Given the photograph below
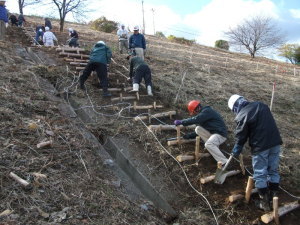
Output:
x=123 y=38
x=256 y=123
x=73 y=42
x=48 y=23
x=13 y=19
x=3 y=19
x=137 y=42
x=49 y=37
x=139 y=70
x=39 y=32
x=21 y=20
x=100 y=57
x=210 y=127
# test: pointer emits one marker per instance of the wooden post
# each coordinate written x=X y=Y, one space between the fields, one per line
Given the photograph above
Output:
x=197 y=149
x=121 y=97
x=242 y=164
x=268 y=217
x=272 y=98
x=154 y=104
x=149 y=115
x=19 y=179
x=249 y=189
x=137 y=96
x=275 y=210
x=134 y=105
x=178 y=135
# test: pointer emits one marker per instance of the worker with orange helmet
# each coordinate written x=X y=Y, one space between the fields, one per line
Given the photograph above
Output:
x=210 y=127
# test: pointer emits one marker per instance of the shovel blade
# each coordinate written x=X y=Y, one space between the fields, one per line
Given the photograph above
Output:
x=220 y=176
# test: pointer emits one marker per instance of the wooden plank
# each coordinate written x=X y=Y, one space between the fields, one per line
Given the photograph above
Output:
x=78 y=63
x=169 y=127
x=182 y=141
x=81 y=56
x=66 y=49
x=75 y=60
x=268 y=217
x=158 y=115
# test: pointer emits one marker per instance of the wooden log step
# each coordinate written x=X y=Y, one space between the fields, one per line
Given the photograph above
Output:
x=268 y=217
x=113 y=89
x=157 y=115
x=75 y=55
x=154 y=106
x=181 y=158
x=235 y=197
x=169 y=127
x=181 y=141
x=205 y=180
x=76 y=60
x=80 y=68
x=121 y=98
x=78 y=63
x=69 y=49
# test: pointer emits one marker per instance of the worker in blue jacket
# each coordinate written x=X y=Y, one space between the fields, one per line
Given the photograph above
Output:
x=100 y=57
x=3 y=19
x=256 y=124
x=137 y=43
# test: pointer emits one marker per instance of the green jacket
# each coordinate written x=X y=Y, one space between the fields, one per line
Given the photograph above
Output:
x=210 y=120
x=135 y=62
x=101 y=54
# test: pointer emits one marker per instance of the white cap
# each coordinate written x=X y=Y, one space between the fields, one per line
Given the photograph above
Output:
x=232 y=100
x=136 y=28
x=70 y=29
x=122 y=25
x=47 y=28
x=101 y=42
x=41 y=30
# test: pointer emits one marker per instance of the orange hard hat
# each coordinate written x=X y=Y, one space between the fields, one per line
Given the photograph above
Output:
x=192 y=106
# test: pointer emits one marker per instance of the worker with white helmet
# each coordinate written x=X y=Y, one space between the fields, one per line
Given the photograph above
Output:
x=100 y=57
x=3 y=19
x=137 y=42
x=49 y=37
x=39 y=33
x=73 y=42
x=256 y=124
x=210 y=127
x=123 y=38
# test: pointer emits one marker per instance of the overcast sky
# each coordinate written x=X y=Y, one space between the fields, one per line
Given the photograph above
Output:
x=202 y=20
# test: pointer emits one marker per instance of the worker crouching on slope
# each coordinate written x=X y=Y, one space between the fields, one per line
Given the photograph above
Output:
x=256 y=123
x=100 y=56
x=210 y=127
x=139 y=70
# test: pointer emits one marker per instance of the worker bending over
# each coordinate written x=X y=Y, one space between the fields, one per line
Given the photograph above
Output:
x=210 y=127
x=256 y=123
x=49 y=37
x=139 y=70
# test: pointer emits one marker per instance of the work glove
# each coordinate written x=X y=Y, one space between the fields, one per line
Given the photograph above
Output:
x=236 y=151
x=6 y=25
x=177 y=122
x=192 y=135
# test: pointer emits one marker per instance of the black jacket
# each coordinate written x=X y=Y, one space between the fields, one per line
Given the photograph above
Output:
x=255 y=121
x=135 y=63
x=210 y=120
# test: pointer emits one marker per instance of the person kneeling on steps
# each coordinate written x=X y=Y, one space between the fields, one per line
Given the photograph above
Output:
x=100 y=56
x=139 y=70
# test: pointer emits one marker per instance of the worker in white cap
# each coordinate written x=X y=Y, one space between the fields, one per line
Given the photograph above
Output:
x=123 y=39
x=49 y=37
x=137 y=43
x=73 y=42
x=3 y=19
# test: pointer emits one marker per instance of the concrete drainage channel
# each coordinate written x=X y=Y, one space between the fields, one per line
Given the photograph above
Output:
x=125 y=164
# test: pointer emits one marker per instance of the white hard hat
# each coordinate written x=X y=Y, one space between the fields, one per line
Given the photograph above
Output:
x=122 y=25
x=41 y=30
x=101 y=42
x=232 y=100
x=70 y=29
x=136 y=28
x=47 y=28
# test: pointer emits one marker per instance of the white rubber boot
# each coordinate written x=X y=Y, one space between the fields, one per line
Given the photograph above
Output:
x=149 y=90
x=135 y=87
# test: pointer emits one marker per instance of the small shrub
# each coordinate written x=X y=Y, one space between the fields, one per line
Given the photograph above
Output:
x=222 y=44
x=105 y=25
x=181 y=40
x=160 y=34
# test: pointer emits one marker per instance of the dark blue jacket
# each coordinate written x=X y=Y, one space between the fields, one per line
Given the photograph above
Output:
x=101 y=54
x=3 y=14
x=137 y=41
x=210 y=120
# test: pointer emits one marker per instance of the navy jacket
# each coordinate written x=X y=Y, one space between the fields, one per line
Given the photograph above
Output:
x=135 y=62
x=256 y=123
x=74 y=34
x=210 y=120
x=137 y=41
x=101 y=54
x=3 y=14
x=48 y=24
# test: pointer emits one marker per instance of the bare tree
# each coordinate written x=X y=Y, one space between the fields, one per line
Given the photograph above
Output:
x=24 y=3
x=77 y=7
x=256 y=34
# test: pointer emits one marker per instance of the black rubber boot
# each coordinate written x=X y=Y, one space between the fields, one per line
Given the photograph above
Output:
x=264 y=200
x=274 y=188
x=106 y=93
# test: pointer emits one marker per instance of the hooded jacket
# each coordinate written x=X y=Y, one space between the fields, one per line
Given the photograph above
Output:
x=256 y=123
x=210 y=120
x=3 y=14
x=101 y=54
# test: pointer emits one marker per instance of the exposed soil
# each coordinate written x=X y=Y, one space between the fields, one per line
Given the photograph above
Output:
x=90 y=196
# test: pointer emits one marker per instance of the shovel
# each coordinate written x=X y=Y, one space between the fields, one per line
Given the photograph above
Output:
x=221 y=173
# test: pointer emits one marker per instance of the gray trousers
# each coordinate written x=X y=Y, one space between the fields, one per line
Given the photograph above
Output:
x=123 y=44
x=2 y=30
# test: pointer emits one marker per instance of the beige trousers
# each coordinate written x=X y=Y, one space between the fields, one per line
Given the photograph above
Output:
x=139 y=52
x=123 y=44
x=2 y=30
x=212 y=143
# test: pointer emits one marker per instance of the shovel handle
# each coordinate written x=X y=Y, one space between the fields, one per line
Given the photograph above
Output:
x=227 y=163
